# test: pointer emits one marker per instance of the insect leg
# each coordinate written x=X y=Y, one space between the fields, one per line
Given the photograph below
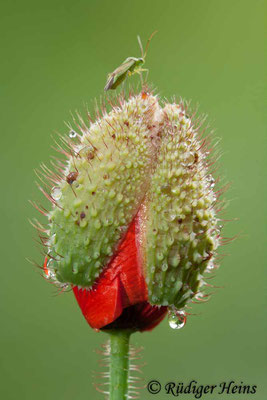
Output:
x=138 y=70
x=147 y=72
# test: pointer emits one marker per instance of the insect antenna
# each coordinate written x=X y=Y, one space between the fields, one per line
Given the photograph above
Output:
x=141 y=46
x=147 y=43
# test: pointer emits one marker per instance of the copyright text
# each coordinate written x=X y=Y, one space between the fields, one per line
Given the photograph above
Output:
x=198 y=390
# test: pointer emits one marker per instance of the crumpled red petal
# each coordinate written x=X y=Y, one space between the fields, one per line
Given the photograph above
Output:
x=121 y=285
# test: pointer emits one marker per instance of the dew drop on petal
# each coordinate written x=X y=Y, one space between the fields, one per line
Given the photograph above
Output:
x=176 y=319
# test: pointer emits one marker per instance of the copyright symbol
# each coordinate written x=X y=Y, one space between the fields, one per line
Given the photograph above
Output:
x=154 y=387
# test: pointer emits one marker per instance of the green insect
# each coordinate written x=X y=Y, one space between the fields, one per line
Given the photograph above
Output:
x=130 y=66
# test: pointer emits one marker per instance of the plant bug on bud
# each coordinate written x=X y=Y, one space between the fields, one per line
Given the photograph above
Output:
x=130 y=66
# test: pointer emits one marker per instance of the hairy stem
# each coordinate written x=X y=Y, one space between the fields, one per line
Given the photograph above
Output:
x=119 y=364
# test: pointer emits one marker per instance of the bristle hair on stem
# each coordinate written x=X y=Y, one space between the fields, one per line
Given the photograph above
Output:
x=118 y=361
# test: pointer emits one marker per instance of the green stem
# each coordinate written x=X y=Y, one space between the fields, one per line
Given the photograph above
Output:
x=119 y=364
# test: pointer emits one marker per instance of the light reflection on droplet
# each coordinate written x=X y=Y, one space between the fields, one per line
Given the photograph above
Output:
x=72 y=134
x=177 y=319
x=56 y=193
x=188 y=160
x=210 y=267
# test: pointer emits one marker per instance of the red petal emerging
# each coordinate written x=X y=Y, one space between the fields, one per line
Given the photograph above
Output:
x=121 y=285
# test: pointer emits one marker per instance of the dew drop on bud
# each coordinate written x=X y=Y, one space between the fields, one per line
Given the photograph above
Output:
x=122 y=228
x=64 y=286
x=164 y=267
x=56 y=193
x=172 y=216
x=177 y=319
x=72 y=134
x=188 y=160
x=49 y=273
x=210 y=267
x=211 y=181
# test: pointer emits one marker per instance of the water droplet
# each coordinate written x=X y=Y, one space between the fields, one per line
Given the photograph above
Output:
x=177 y=319
x=211 y=181
x=50 y=273
x=153 y=268
x=64 y=286
x=164 y=267
x=56 y=193
x=175 y=260
x=159 y=256
x=172 y=216
x=72 y=134
x=189 y=159
x=96 y=255
x=210 y=267
x=108 y=221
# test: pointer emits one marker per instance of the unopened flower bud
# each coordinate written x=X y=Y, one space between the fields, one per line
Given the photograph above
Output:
x=133 y=227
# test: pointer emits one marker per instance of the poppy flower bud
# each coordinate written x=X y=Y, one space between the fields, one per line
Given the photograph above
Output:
x=133 y=227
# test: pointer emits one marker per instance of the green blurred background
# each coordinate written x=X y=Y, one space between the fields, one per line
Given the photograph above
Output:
x=54 y=58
